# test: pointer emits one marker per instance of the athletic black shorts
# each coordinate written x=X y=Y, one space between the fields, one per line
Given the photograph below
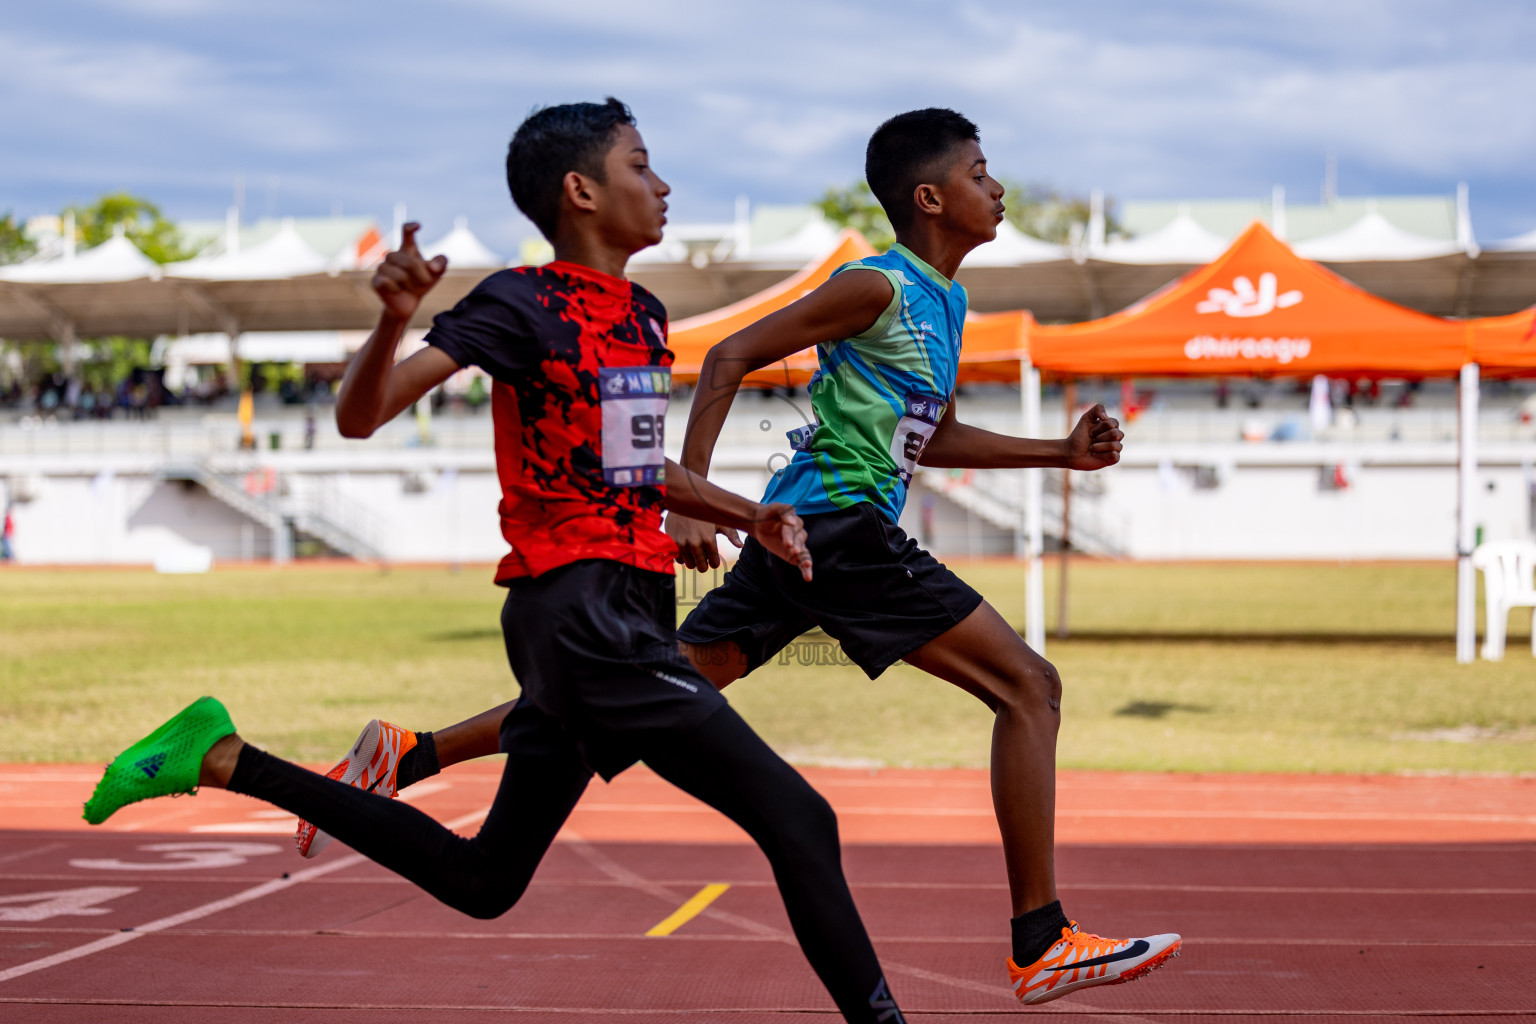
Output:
x=873 y=590
x=594 y=646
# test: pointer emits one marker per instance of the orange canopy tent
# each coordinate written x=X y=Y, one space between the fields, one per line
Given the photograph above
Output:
x=1258 y=309
x=993 y=345
x=1505 y=346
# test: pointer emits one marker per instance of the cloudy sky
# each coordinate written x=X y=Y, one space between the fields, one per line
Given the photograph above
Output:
x=359 y=106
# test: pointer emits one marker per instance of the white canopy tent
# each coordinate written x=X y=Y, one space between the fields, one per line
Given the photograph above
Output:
x=1520 y=243
x=1181 y=241
x=284 y=255
x=811 y=241
x=463 y=249
x=1373 y=237
x=116 y=259
x=1013 y=248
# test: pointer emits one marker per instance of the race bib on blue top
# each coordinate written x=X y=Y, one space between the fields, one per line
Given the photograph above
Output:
x=919 y=420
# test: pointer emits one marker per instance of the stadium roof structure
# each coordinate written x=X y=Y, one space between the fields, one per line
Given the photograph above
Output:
x=1416 y=251
x=270 y=278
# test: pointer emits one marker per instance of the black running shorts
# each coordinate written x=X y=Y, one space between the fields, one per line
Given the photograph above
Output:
x=873 y=590
x=594 y=646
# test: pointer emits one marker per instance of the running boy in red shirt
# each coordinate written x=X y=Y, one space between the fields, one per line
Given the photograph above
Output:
x=580 y=364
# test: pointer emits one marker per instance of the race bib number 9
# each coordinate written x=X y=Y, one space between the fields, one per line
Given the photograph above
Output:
x=916 y=426
x=634 y=400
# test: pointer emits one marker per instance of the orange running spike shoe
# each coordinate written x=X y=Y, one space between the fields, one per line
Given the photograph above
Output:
x=1080 y=960
x=373 y=764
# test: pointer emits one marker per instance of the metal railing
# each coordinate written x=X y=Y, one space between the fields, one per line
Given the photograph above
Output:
x=314 y=506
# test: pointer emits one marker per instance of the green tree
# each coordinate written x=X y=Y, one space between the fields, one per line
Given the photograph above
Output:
x=857 y=207
x=15 y=246
x=109 y=360
x=140 y=219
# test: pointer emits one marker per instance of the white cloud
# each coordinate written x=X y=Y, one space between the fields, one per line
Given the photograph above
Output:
x=365 y=104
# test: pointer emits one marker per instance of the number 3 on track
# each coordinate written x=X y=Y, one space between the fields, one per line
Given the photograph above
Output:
x=40 y=906
x=183 y=857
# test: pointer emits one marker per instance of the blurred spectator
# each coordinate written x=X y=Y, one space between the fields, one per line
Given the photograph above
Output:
x=7 y=536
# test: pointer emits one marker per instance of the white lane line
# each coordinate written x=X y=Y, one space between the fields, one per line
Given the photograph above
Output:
x=215 y=907
x=1069 y=814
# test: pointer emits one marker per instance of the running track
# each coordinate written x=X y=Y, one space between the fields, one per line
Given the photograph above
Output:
x=1330 y=898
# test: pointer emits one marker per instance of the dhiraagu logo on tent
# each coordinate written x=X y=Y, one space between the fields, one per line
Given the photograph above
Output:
x=1280 y=350
x=1244 y=300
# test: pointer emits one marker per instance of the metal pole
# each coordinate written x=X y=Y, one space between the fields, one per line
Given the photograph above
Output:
x=1034 y=517
x=1069 y=402
x=1466 y=515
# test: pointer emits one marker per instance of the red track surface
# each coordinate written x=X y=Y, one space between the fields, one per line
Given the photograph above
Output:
x=1334 y=898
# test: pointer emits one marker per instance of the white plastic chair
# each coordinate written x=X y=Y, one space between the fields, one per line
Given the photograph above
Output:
x=1509 y=581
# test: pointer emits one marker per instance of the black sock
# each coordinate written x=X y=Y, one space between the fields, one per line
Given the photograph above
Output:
x=1036 y=931
x=420 y=762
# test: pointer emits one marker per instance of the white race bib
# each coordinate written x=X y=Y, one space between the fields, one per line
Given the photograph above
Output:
x=634 y=400
x=916 y=426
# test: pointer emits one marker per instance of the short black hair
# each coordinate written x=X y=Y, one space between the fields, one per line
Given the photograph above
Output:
x=550 y=143
x=904 y=152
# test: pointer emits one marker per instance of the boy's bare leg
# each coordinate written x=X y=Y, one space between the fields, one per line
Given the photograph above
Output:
x=985 y=657
x=479 y=736
x=219 y=762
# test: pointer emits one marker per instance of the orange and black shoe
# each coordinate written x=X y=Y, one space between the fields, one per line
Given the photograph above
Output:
x=1081 y=960
x=373 y=764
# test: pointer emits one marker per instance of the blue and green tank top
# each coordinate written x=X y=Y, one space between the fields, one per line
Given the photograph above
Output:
x=878 y=396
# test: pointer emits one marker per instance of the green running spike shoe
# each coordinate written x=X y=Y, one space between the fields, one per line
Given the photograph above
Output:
x=165 y=762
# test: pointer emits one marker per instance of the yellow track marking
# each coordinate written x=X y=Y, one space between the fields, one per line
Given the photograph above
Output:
x=689 y=910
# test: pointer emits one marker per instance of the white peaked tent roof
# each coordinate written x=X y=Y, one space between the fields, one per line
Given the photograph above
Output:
x=1181 y=240
x=815 y=239
x=1013 y=247
x=285 y=254
x=462 y=248
x=116 y=259
x=1373 y=237
x=670 y=249
x=1520 y=243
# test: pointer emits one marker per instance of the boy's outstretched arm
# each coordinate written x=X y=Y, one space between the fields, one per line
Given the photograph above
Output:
x=842 y=307
x=1093 y=444
x=776 y=527
x=375 y=388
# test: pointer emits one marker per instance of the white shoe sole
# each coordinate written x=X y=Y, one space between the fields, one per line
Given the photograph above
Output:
x=357 y=760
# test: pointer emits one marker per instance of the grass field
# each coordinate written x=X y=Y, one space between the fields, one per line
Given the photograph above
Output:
x=1179 y=667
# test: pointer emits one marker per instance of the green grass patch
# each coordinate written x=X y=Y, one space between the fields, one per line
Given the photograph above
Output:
x=1177 y=667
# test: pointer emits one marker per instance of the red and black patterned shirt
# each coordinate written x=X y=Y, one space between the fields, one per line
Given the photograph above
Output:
x=579 y=362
